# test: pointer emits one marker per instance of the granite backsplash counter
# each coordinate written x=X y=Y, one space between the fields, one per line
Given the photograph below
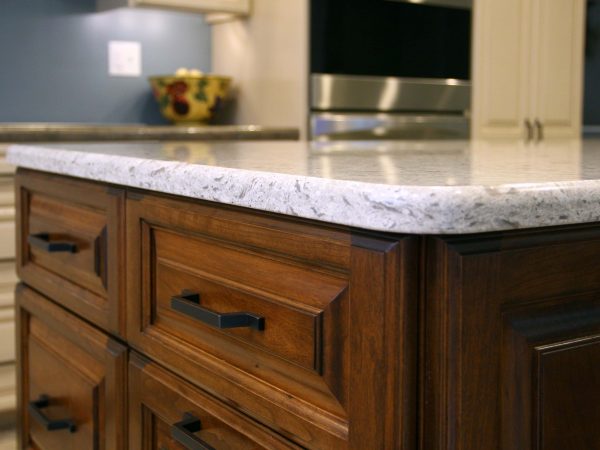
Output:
x=57 y=132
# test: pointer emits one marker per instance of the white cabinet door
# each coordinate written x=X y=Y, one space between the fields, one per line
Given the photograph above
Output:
x=527 y=68
x=8 y=281
x=238 y=7
x=501 y=38
x=7 y=218
x=557 y=83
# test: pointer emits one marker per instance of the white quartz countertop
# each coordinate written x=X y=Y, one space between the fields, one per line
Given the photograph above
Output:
x=425 y=187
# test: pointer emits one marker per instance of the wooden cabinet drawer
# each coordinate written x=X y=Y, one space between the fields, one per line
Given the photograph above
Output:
x=199 y=288
x=69 y=244
x=193 y=265
x=168 y=413
x=71 y=378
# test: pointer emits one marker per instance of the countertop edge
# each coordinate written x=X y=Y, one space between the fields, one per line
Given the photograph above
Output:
x=377 y=207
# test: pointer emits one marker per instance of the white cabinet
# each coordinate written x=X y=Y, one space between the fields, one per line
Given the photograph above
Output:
x=233 y=7
x=527 y=68
x=8 y=280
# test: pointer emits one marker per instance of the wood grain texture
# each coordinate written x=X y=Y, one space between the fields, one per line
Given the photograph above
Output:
x=90 y=215
x=495 y=308
x=82 y=370
x=549 y=352
x=383 y=360
x=488 y=341
x=292 y=299
x=158 y=399
x=335 y=314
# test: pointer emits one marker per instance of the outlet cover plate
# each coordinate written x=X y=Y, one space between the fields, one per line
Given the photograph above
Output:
x=124 y=58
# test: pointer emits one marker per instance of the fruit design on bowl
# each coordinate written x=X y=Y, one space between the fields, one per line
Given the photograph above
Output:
x=176 y=91
x=191 y=98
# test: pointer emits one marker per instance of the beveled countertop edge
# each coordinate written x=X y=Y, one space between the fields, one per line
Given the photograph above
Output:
x=378 y=207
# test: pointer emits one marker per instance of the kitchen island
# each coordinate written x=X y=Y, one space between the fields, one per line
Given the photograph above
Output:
x=431 y=295
x=72 y=132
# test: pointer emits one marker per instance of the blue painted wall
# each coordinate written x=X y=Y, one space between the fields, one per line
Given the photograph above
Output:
x=54 y=60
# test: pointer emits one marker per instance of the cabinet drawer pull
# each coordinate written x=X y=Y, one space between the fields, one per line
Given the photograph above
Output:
x=35 y=410
x=188 y=303
x=540 y=130
x=529 y=127
x=183 y=432
x=42 y=241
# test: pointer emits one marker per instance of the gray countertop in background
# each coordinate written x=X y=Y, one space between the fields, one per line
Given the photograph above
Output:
x=425 y=187
x=57 y=132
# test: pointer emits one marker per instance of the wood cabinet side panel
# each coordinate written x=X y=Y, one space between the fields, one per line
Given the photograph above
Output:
x=490 y=303
x=383 y=362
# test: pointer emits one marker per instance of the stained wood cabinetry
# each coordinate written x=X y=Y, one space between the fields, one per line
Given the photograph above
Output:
x=161 y=402
x=69 y=235
x=511 y=341
x=72 y=392
x=251 y=330
x=296 y=372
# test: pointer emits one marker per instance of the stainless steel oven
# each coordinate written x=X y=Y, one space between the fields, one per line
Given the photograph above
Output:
x=390 y=69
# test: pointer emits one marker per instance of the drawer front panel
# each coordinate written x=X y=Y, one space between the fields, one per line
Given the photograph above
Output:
x=68 y=231
x=334 y=365
x=169 y=413
x=186 y=273
x=71 y=380
x=289 y=300
x=52 y=220
x=70 y=396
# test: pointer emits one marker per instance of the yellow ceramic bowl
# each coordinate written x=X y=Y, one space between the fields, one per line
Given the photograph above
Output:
x=190 y=99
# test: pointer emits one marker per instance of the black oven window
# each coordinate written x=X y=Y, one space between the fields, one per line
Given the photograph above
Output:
x=390 y=38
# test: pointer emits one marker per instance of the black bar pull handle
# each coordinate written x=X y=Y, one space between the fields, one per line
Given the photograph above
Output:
x=35 y=410
x=540 y=129
x=183 y=432
x=188 y=303
x=43 y=242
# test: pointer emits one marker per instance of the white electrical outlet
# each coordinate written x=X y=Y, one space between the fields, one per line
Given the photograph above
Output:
x=124 y=58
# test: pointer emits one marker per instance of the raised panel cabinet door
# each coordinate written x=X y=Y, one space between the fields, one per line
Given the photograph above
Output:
x=501 y=68
x=511 y=334
x=70 y=244
x=168 y=413
x=558 y=60
x=302 y=327
x=71 y=380
x=551 y=375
